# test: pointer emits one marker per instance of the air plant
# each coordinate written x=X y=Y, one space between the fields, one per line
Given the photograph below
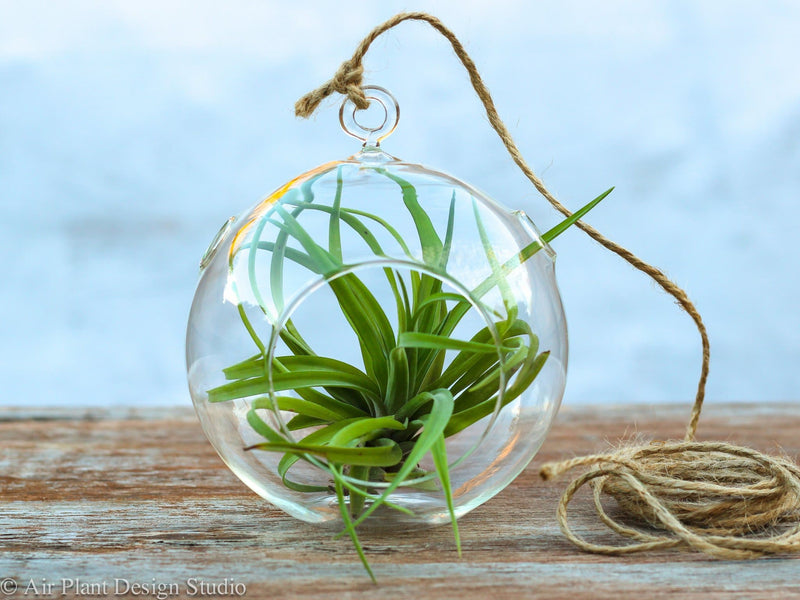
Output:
x=374 y=425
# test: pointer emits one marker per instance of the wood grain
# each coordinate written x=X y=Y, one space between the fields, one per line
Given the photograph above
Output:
x=140 y=496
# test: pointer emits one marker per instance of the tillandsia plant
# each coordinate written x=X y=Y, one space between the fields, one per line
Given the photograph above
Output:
x=371 y=428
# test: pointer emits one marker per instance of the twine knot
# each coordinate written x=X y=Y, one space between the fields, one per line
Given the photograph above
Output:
x=347 y=80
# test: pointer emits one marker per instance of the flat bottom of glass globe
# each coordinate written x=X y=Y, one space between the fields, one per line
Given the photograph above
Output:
x=427 y=513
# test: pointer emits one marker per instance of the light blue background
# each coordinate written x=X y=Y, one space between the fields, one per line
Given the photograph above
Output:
x=129 y=131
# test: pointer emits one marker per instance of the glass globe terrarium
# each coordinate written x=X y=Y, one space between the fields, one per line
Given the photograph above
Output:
x=377 y=339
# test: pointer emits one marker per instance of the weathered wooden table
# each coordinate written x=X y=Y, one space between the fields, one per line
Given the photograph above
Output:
x=112 y=503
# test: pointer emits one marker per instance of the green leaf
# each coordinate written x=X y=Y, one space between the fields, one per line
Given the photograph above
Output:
x=416 y=403
x=250 y=367
x=369 y=322
x=448 y=236
x=292 y=380
x=325 y=410
x=572 y=219
x=439 y=455
x=379 y=456
x=262 y=428
x=441 y=297
x=334 y=234
x=280 y=248
x=348 y=523
x=299 y=422
x=357 y=500
x=412 y=339
x=297 y=256
x=392 y=231
x=251 y=267
x=429 y=240
x=420 y=480
x=249 y=327
x=509 y=301
x=365 y=430
x=397 y=389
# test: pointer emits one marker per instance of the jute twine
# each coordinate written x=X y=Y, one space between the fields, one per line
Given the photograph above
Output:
x=725 y=500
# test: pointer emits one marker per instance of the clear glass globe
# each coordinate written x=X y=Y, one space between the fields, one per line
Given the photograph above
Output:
x=359 y=291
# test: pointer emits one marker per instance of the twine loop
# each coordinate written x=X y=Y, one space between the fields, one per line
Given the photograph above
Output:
x=707 y=496
x=712 y=497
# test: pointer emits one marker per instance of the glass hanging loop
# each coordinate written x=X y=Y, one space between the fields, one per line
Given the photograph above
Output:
x=383 y=108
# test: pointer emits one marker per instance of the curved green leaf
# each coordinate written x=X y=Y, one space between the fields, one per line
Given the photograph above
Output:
x=413 y=339
x=381 y=456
